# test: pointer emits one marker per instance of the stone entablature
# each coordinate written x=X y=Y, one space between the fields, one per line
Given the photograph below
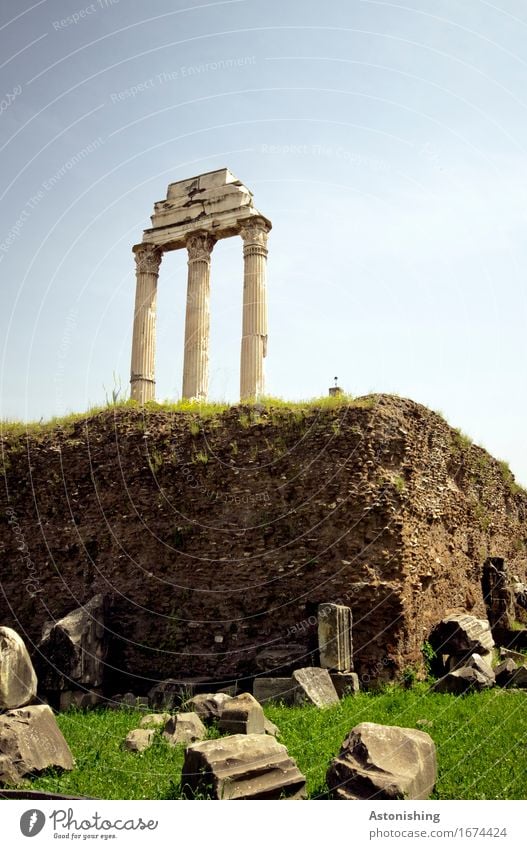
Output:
x=196 y=213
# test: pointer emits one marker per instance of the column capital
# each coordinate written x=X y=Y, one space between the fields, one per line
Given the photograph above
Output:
x=199 y=246
x=254 y=232
x=147 y=258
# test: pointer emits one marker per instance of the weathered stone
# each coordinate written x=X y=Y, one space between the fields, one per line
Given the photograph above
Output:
x=8 y=772
x=18 y=681
x=519 y=677
x=345 y=683
x=82 y=699
x=315 y=686
x=74 y=648
x=462 y=681
x=274 y=689
x=184 y=728
x=271 y=728
x=244 y=766
x=475 y=661
x=171 y=693
x=461 y=635
x=154 y=720
x=334 y=637
x=384 y=762
x=504 y=671
x=139 y=739
x=242 y=715
x=208 y=706
x=515 y=655
x=32 y=740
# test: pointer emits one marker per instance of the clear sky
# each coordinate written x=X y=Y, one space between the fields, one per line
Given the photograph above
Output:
x=385 y=141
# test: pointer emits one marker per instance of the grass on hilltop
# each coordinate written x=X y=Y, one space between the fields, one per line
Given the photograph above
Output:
x=480 y=738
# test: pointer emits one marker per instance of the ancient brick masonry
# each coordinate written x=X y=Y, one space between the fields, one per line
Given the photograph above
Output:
x=217 y=540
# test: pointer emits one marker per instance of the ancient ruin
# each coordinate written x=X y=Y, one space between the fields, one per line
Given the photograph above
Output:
x=197 y=213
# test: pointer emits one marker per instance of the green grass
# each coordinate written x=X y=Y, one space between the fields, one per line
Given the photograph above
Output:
x=480 y=742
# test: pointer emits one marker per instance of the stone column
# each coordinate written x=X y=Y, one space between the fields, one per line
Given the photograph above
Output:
x=197 y=319
x=142 y=378
x=254 y=325
x=334 y=637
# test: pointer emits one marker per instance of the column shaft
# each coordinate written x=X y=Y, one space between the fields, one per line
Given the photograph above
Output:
x=197 y=319
x=142 y=378
x=254 y=323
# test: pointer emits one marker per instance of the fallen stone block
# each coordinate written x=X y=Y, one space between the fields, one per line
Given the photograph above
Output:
x=244 y=766
x=464 y=680
x=242 y=715
x=504 y=672
x=32 y=740
x=74 y=648
x=274 y=689
x=475 y=661
x=154 y=720
x=208 y=706
x=139 y=739
x=184 y=728
x=18 y=680
x=345 y=683
x=314 y=686
x=461 y=635
x=271 y=728
x=519 y=677
x=334 y=637
x=384 y=762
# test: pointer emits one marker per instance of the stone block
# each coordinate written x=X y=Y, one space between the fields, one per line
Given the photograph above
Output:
x=208 y=706
x=274 y=689
x=31 y=739
x=314 y=686
x=504 y=671
x=464 y=680
x=18 y=680
x=154 y=720
x=384 y=762
x=139 y=739
x=345 y=683
x=271 y=728
x=334 y=637
x=475 y=661
x=461 y=635
x=8 y=772
x=75 y=648
x=244 y=766
x=242 y=715
x=184 y=728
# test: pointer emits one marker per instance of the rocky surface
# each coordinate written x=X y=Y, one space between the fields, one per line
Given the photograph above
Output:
x=314 y=687
x=18 y=681
x=254 y=518
x=139 y=739
x=243 y=766
x=242 y=715
x=384 y=762
x=32 y=741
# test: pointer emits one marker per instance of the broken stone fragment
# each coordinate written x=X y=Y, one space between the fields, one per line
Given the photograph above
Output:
x=345 y=683
x=31 y=739
x=244 y=766
x=504 y=672
x=18 y=681
x=139 y=739
x=464 y=680
x=242 y=715
x=208 y=706
x=315 y=686
x=184 y=728
x=461 y=635
x=274 y=689
x=384 y=762
x=154 y=720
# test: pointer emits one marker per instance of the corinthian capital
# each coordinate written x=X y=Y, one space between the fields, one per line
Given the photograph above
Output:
x=200 y=245
x=255 y=232
x=147 y=258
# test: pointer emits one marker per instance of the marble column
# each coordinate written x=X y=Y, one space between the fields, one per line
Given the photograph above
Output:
x=142 y=378
x=197 y=319
x=254 y=325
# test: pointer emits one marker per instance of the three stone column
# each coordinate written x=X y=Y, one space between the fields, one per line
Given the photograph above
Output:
x=197 y=319
x=142 y=379
x=254 y=324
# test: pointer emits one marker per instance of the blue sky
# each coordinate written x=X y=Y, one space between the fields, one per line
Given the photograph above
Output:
x=386 y=142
